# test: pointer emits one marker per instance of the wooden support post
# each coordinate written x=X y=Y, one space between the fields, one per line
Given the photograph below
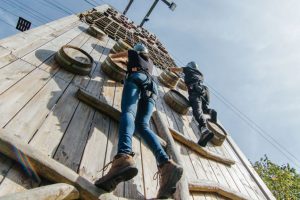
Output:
x=164 y=132
x=59 y=191
x=212 y=187
x=200 y=150
x=14 y=148
x=104 y=108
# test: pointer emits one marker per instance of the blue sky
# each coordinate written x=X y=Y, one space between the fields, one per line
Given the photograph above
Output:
x=248 y=50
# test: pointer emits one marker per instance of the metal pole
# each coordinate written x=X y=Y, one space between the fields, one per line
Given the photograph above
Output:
x=127 y=7
x=149 y=12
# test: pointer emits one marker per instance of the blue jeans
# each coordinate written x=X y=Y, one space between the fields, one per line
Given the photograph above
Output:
x=132 y=105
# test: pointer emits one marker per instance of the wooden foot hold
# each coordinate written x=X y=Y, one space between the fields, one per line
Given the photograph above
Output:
x=200 y=150
x=212 y=187
x=59 y=191
x=13 y=147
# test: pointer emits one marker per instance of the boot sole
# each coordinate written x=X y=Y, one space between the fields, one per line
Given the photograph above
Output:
x=172 y=182
x=206 y=140
x=124 y=175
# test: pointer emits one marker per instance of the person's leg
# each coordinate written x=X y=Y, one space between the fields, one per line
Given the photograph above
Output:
x=196 y=104
x=170 y=173
x=130 y=98
x=123 y=166
x=206 y=134
x=144 y=112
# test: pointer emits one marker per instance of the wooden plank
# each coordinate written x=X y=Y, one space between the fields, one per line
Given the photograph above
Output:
x=60 y=191
x=21 y=40
x=166 y=135
x=73 y=143
x=170 y=118
x=41 y=104
x=239 y=175
x=251 y=170
x=31 y=117
x=45 y=166
x=15 y=98
x=50 y=133
x=228 y=173
x=16 y=180
x=5 y=165
x=205 y=186
x=203 y=152
x=244 y=176
x=44 y=52
x=12 y=73
x=21 y=44
x=149 y=169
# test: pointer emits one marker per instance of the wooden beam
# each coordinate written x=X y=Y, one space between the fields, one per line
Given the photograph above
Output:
x=266 y=191
x=164 y=132
x=104 y=108
x=212 y=187
x=200 y=150
x=59 y=191
x=15 y=148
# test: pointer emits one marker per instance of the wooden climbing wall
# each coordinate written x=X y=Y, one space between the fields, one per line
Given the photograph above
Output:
x=38 y=104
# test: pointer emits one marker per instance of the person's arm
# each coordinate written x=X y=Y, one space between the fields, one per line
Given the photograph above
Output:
x=175 y=69
x=121 y=57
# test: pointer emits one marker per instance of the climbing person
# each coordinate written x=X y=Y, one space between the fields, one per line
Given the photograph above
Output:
x=138 y=101
x=198 y=98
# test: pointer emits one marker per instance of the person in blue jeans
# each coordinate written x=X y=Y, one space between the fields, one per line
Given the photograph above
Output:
x=138 y=102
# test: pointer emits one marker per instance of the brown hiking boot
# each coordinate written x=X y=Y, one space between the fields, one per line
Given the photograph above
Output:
x=169 y=174
x=123 y=169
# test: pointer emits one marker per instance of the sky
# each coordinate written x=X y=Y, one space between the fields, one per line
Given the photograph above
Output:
x=248 y=51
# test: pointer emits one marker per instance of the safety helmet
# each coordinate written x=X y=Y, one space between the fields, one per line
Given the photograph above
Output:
x=140 y=48
x=193 y=65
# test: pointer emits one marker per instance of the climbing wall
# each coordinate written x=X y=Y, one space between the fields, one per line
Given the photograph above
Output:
x=38 y=104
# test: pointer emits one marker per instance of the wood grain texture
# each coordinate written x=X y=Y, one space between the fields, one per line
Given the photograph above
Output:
x=45 y=166
x=202 y=151
x=60 y=191
x=212 y=187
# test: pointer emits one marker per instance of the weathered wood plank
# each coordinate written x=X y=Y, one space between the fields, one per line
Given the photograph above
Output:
x=73 y=143
x=15 y=98
x=12 y=73
x=195 y=147
x=52 y=130
x=166 y=135
x=44 y=52
x=26 y=121
x=205 y=186
x=60 y=191
x=45 y=166
x=16 y=180
x=244 y=175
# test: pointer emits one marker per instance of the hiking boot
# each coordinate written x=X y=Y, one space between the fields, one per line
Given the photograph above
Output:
x=123 y=169
x=206 y=136
x=169 y=174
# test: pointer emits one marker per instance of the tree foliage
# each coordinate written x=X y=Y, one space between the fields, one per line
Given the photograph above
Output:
x=283 y=181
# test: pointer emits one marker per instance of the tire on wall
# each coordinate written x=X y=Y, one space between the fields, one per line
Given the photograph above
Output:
x=120 y=46
x=96 y=32
x=177 y=102
x=219 y=133
x=169 y=79
x=182 y=85
x=74 y=59
x=113 y=70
